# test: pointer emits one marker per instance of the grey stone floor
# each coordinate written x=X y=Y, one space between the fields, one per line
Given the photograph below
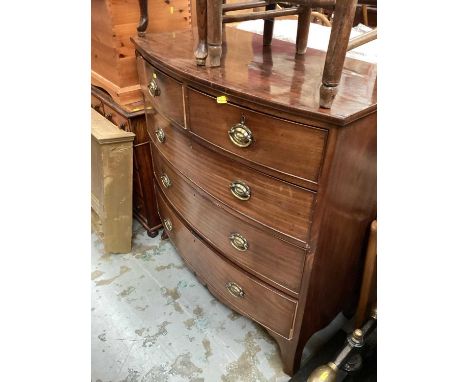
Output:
x=152 y=321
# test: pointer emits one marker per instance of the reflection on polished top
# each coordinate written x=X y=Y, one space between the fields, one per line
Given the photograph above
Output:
x=268 y=75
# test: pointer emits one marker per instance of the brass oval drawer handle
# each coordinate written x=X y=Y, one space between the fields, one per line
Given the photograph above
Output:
x=239 y=242
x=240 y=190
x=240 y=134
x=161 y=137
x=166 y=181
x=167 y=224
x=153 y=88
x=235 y=289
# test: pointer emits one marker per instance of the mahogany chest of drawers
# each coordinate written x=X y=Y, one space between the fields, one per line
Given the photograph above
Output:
x=132 y=118
x=266 y=196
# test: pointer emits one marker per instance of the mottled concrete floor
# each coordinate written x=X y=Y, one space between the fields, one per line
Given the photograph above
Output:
x=153 y=321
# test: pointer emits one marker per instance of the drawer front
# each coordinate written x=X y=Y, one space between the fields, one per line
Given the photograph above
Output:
x=266 y=256
x=166 y=94
x=235 y=287
x=117 y=119
x=273 y=203
x=160 y=131
x=290 y=148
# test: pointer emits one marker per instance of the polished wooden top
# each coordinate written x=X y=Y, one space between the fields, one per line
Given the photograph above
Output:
x=271 y=76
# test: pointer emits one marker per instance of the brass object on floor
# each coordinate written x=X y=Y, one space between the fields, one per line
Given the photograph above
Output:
x=324 y=373
x=349 y=358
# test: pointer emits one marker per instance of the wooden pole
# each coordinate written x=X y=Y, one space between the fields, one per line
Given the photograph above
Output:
x=369 y=279
x=268 y=26
x=248 y=5
x=303 y=25
x=143 y=24
x=215 y=30
x=202 y=50
x=259 y=15
x=362 y=39
x=336 y=53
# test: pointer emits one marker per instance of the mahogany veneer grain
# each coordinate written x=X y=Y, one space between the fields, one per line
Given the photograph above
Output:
x=277 y=311
x=266 y=253
x=272 y=143
x=269 y=76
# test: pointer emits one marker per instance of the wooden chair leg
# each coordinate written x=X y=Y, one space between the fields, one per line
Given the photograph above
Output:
x=215 y=29
x=202 y=49
x=368 y=295
x=268 y=25
x=336 y=53
x=365 y=19
x=143 y=24
x=303 y=25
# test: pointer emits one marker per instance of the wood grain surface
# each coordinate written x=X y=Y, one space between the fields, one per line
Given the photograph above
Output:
x=170 y=101
x=267 y=76
x=278 y=205
x=321 y=201
x=277 y=311
x=113 y=22
x=144 y=199
x=273 y=139
x=265 y=254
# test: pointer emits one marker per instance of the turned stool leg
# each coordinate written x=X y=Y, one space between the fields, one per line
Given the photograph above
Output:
x=202 y=49
x=336 y=53
x=268 y=25
x=143 y=24
x=303 y=25
x=215 y=29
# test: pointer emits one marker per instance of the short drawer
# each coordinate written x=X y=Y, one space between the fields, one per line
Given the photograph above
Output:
x=276 y=262
x=236 y=288
x=290 y=148
x=271 y=202
x=159 y=130
x=162 y=91
x=115 y=117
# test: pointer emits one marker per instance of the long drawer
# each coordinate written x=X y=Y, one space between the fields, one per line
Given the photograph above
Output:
x=287 y=147
x=251 y=248
x=276 y=204
x=235 y=287
x=161 y=91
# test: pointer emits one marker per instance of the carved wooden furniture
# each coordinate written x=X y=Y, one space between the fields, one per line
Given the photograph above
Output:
x=111 y=184
x=113 y=65
x=265 y=195
x=211 y=15
x=132 y=118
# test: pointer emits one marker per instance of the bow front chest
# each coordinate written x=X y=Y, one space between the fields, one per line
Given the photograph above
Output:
x=266 y=196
